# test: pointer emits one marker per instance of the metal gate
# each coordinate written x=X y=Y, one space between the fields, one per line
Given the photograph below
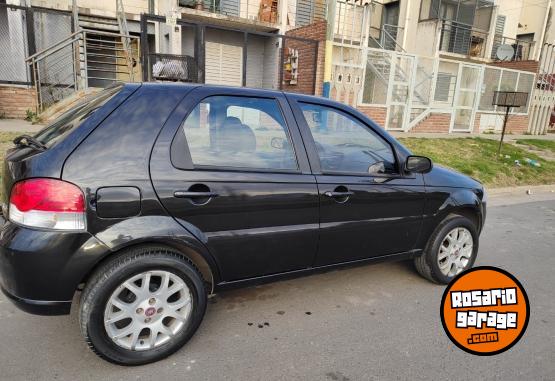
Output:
x=400 y=92
x=193 y=51
x=466 y=96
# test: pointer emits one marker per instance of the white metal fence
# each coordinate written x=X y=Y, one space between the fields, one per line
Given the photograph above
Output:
x=412 y=87
x=543 y=98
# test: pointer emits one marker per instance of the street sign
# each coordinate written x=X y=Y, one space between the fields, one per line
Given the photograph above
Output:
x=510 y=98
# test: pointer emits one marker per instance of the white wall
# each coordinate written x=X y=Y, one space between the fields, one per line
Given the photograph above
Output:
x=412 y=39
x=511 y=9
x=106 y=7
x=532 y=18
x=426 y=41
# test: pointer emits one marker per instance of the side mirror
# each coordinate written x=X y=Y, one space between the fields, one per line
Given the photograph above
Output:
x=418 y=164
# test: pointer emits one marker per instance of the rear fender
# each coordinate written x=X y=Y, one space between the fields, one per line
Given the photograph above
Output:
x=162 y=230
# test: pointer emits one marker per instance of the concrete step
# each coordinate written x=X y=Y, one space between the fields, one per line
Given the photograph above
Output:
x=99 y=23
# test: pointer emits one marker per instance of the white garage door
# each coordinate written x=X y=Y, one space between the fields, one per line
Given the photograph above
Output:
x=224 y=60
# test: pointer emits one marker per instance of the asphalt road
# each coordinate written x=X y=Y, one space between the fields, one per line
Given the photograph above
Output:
x=373 y=322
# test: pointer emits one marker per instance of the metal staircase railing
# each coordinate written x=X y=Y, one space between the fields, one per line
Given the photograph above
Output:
x=388 y=42
x=124 y=30
x=55 y=70
x=84 y=59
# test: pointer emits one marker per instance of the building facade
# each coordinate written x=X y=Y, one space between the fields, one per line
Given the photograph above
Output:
x=411 y=65
x=433 y=65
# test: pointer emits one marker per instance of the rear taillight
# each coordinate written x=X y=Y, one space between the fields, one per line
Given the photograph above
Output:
x=47 y=203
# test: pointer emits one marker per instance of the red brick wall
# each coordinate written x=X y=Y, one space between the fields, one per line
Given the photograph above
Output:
x=435 y=122
x=16 y=100
x=517 y=124
x=307 y=52
x=377 y=114
x=529 y=65
x=476 y=128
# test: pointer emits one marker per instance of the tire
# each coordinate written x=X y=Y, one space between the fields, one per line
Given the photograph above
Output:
x=428 y=264
x=172 y=318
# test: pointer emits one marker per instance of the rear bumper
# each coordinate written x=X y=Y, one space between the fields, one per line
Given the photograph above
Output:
x=40 y=270
x=39 y=307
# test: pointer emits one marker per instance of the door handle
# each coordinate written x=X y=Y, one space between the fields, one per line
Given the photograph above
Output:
x=190 y=194
x=338 y=194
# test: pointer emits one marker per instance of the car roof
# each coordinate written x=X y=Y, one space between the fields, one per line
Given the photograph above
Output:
x=244 y=90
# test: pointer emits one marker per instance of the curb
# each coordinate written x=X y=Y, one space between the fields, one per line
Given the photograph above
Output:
x=521 y=194
x=523 y=189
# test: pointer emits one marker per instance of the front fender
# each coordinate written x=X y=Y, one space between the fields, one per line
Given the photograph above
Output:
x=458 y=199
x=443 y=201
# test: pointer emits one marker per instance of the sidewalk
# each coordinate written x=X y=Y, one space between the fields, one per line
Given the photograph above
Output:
x=442 y=135
x=18 y=125
x=520 y=194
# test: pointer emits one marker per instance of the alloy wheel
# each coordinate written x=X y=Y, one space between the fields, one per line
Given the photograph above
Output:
x=455 y=251
x=148 y=310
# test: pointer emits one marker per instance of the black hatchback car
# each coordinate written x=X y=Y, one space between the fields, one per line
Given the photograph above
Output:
x=150 y=197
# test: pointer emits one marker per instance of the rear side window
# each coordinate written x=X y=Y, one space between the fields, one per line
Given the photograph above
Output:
x=60 y=128
x=239 y=132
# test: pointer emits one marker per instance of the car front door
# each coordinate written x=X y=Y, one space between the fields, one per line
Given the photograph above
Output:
x=238 y=178
x=368 y=208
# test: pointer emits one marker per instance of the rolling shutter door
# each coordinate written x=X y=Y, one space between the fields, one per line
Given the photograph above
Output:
x=308 y=11
x=224 y=64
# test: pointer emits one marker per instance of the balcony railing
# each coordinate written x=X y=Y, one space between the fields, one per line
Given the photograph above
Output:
x=462 y=39
x=258 y=10
x=522 y=50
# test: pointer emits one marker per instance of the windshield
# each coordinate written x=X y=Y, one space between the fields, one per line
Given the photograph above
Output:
x=60 y=128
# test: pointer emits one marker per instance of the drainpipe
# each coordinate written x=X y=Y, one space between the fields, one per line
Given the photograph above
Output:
x=406 y=26
x=542 y=37
x=283 y=15
x=75 y=14
x=328 y=56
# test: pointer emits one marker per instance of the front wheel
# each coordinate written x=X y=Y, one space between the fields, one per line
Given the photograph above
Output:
x=451 y=249
x=142 y=306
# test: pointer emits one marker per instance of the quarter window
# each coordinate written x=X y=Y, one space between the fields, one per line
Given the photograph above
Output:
x=240 y=132
x=346 y=145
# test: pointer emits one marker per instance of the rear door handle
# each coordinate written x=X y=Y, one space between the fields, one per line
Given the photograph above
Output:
x=338 y=194
x=189 y=194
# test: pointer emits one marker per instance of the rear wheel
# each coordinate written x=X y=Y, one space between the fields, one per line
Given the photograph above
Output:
x=451 y=249
x=142 y=306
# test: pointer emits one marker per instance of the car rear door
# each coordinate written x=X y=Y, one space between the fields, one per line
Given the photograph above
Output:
x=236 y=175
x=368 y=208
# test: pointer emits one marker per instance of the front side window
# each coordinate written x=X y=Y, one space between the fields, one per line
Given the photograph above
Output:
x=345 y=145
x=239 y=132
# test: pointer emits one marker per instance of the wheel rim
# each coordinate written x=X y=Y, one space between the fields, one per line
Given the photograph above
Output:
x=147 y=310
x=455 y=251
